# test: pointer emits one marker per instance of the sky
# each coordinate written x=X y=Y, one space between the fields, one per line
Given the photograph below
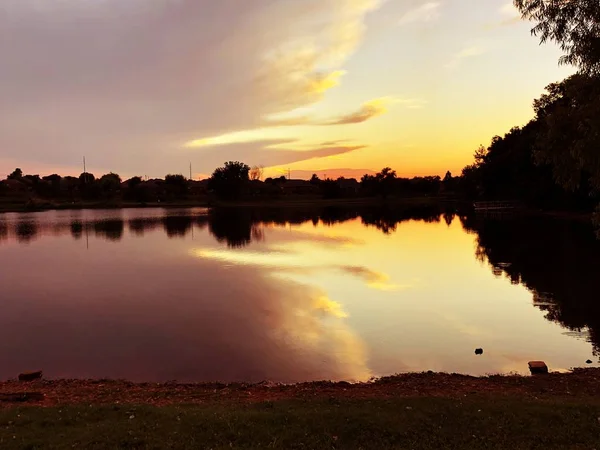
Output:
x=340 y=87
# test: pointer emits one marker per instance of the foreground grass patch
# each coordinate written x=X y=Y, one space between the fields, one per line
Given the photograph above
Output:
x=421 y=423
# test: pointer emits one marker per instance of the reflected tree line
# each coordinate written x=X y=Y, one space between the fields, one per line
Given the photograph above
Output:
x=557 y=260
x=234 y=227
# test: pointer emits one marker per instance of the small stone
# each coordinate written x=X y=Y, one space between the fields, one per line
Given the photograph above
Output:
x=589 y=361
x=30 y=376
x=131 y=417
x=479 y=351
x=538 y=367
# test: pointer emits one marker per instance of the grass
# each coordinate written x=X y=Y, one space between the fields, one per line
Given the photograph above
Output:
x=474 y=422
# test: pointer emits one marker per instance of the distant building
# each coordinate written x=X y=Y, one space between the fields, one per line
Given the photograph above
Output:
x=349 y=185
x=299 y=187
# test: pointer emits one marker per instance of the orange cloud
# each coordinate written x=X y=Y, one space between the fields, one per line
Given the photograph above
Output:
x=367 y=111
x=372 y=278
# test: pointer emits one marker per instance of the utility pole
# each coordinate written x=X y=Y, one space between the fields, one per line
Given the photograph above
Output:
x=84 y=174
x=289 y=174
x=190 y=170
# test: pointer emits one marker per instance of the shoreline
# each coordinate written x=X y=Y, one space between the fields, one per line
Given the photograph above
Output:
x=294 y=202
x=580 y=382
x=424 y=411
x=363 y=202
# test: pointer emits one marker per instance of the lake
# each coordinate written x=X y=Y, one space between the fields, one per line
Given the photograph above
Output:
x=291 y=294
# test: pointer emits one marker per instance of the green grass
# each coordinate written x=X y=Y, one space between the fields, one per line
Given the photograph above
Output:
x=420 y=423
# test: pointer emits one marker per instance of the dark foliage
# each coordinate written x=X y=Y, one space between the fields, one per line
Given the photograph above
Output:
x=230 y=181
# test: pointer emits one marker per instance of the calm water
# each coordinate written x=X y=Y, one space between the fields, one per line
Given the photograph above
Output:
x=291 y=295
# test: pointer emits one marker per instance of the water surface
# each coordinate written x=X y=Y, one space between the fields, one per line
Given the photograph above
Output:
x=292 y=295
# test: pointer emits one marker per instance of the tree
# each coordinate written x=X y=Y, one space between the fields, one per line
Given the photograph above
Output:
x=110 y=183
x=174 y=180
x=229 y=181
x=90 y=189
x=87 y=178
x=134 y=182
x=481 y=153
x=573 y=24
x=256 y=173
x=569 y=135
x=17 y=174
x=315 y=179
x=51 y=185
x=386 y=180
x=136 y=190
x=449 y=182
x=176 y=185
x=54 y=178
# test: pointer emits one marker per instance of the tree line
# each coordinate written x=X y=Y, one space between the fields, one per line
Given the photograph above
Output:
x=234 y=181
x=554 y=160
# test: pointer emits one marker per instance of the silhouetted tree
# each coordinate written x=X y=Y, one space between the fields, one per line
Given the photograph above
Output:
x=573 y=24
x=87 y=178
x=17 y=174
x=54 y=178
x=315 y=179
x=385 y=181
x=176 y=185
x=88 y=186
x=569 y=135
x=110 y=183
x=228 y=182
x=134 y=182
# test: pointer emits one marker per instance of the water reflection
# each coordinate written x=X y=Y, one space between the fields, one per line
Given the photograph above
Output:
x=111 y=229
x=235 y=227
x=292 y=294
x=76 y=229
x=557 y=260
x=26 y=230
x=3 y=230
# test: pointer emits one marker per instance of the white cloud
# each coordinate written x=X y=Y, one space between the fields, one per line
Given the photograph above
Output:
x=127 y=82
x=466 y=53
x=424 y=13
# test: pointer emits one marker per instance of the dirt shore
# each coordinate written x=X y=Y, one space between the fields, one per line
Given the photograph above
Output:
x=577 y=384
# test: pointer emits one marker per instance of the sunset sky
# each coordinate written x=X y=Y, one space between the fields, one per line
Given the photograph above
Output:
x=144 y=87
